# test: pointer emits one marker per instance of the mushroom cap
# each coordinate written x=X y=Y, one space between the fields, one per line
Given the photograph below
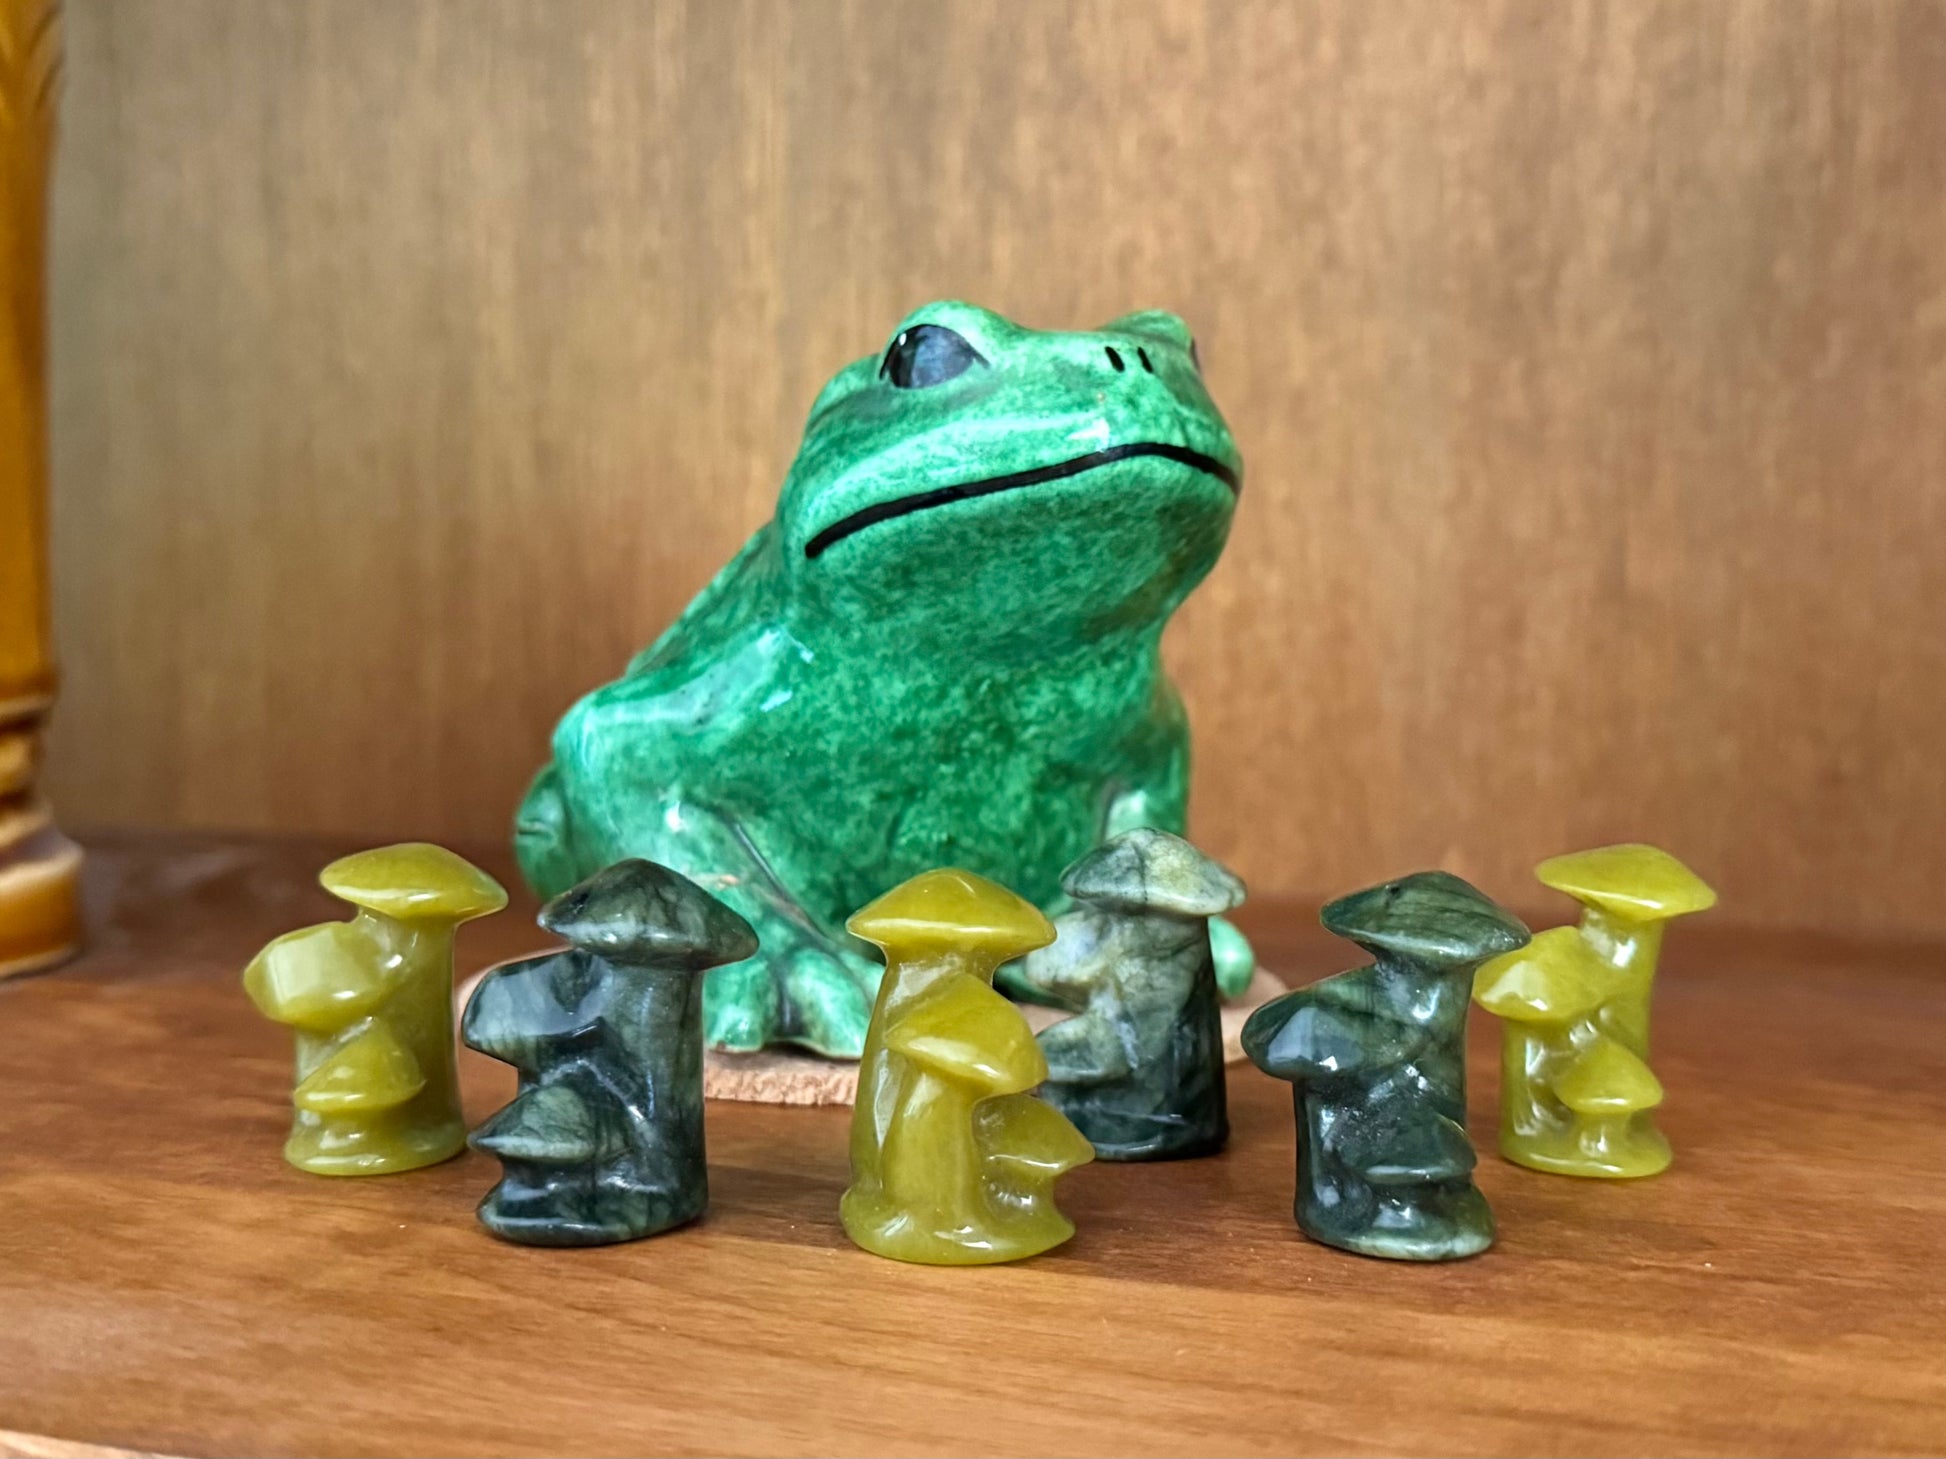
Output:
x=320 y=979
x=414 y=881
x=1641 y=883
x=1608 y=1079
x=1301 y=1035
x=1147 y=870
x=1430 y=916
x=951 y=908
x=642 y=913
x=373 y=1071
x=1554 y=978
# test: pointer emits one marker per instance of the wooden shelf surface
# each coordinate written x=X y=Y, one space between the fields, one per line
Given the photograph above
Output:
x=168 y=1285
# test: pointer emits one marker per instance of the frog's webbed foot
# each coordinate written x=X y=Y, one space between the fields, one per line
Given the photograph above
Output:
x=826 y=996
x=739 y=1009
x=796 y=990
x=1235 y=958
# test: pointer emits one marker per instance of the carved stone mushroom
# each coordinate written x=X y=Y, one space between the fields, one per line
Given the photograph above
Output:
x=953 y=1161
x=604 y=1141
x=1377 y=1062
x=1577 y=1093
x=372 y=1003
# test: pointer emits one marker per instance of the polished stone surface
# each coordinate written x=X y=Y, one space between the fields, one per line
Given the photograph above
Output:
x=1577 y=1095
x=1139 y=1067
x=1377 y=1062
x=941 y=651
x=604 y=1141
x=371 y=1001
x=953 y=1161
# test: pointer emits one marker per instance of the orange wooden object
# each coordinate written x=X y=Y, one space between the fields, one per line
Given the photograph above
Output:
x=40 y=919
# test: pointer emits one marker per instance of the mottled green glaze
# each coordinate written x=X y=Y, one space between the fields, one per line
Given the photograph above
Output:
x=1139 y=1068
x=1377 y=1058
x=942 y=651
x=604 y=1141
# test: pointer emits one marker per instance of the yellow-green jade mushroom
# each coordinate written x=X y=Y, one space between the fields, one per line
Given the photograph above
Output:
x=953 y=1160
x=1577 y=1096
x=371 y=1001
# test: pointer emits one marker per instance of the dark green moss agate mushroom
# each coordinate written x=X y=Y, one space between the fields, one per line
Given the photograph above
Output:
x=604 y=1141
x=1377 y=1061
x=1139 y=1068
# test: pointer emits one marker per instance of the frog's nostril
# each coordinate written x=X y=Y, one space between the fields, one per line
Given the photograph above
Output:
x=1115 y=358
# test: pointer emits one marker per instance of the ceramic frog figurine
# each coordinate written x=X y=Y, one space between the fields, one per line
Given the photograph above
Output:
x=941 y=651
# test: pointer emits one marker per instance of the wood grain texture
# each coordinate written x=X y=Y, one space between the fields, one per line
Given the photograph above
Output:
x=167 y=1283
x=416 y=362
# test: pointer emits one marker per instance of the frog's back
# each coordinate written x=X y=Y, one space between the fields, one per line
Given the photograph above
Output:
x=743 y=596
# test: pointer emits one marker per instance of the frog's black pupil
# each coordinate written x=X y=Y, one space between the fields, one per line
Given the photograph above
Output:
x=927 y=354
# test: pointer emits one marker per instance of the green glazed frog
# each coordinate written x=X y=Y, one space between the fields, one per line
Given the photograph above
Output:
x=942 y=651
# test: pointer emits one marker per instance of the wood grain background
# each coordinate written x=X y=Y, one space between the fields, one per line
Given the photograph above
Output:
x=416 y=362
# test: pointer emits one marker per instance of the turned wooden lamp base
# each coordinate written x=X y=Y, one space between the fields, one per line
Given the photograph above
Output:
x=40 y=892
x=40 y=869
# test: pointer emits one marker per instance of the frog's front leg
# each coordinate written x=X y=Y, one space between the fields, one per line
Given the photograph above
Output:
x=798 y=989
x=801 y=987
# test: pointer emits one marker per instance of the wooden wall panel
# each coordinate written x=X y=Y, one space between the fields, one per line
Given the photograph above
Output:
x=415 y=362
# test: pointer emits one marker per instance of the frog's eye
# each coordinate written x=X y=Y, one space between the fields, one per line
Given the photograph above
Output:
x=1194 y=358
x=927 y=354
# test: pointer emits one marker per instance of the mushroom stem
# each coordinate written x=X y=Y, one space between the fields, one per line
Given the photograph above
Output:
x=1632 y=947
x=1525 y=1054
x=371 y=1001
x=1600 y=1134
x=953 y=1161
x=1621 y=1142
x=423 y=1000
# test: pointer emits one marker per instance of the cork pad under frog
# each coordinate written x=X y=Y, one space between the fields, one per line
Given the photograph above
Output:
x=941 y=651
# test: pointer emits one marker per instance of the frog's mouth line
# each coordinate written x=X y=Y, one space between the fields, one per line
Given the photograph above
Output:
x=939 y=496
